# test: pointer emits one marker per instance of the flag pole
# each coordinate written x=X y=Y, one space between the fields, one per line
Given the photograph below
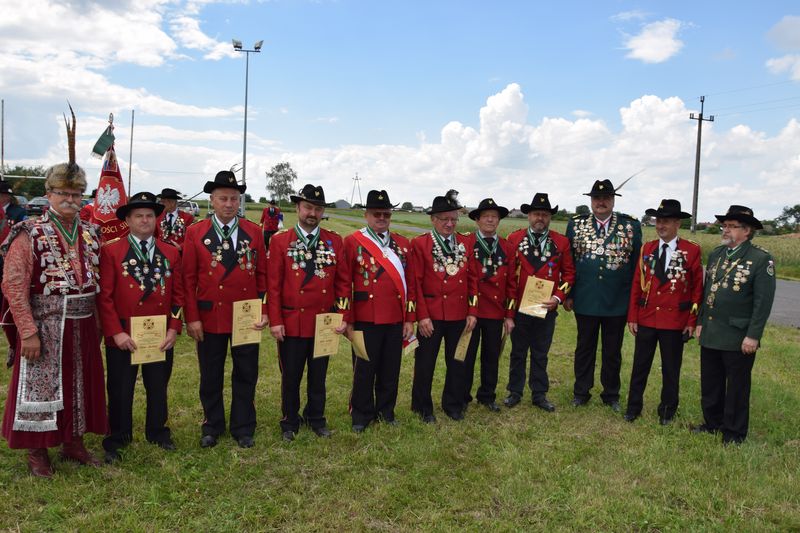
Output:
x=130 y=156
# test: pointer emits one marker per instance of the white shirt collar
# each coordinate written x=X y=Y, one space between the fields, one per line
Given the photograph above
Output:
x=672 y=245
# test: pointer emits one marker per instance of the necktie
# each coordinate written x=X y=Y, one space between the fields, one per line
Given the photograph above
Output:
x=537 y=240
x=661 y=264
x=145 y=251
x=225 y=230
x=382 y=237
x=602 y=229
x=489 y=241
x=169 y=219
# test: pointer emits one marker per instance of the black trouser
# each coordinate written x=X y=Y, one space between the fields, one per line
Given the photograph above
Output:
x=725 y=391
x=536 y=335
x=211 y=355
x=488 y=333
x=612 y=331
x=267 y=236
x=120 y=385
x=670 y=342
x=294 y=354
x=375 y=381
x=425 y=364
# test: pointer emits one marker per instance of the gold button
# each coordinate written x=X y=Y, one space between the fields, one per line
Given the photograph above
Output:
x=495 y=297
x=658 y=308
x=600 y=277
x=220 y=286
x=160 y=304
x=711 y=318
x=131 y=285
x=445 y=297
x=659 y=293
x=370 y=295
x=219 y=303
x=461 y=281
x=140 y=303
x=301 y=291
x=301 y=309
x=324 y=291
x=209 y=272
x=398 y=296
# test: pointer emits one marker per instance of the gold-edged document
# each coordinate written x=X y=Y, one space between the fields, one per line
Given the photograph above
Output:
x=410 y=345
x=148 y=332
x=359 y=345
x=537 y=291
x=463 y=344
x=246 y=313
x=326 y=340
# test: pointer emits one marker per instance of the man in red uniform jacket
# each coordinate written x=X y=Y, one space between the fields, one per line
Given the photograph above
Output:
x=271 y=218
x=139 y=276
x=665 y=296
x=495 y=260
x=172 y=222
x=542 y=253
x=382 y=309
x=447 y=305
x=307 y=276
x=224 y=262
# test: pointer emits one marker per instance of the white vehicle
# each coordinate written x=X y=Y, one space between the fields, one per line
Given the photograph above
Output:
x=189 y=207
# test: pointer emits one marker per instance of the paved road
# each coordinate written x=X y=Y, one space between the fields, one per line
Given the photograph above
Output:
x=785 y=310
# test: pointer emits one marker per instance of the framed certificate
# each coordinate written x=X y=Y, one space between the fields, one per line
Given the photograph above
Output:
x=537 y=291
x=463 y=344
x=410 y=345
x=148 y=332
x=246 y=313
x=326 y=340
x=359 y=345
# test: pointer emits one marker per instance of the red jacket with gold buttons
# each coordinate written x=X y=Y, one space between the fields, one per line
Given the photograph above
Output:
x=558 y=266
x=441 y=296
x=375 y=297
x=497 y=282
x=299 y=289
x=214 y=278
x=672 y=304
x=175 y=234
x=127 y=291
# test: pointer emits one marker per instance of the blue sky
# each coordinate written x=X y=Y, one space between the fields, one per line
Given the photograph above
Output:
x=500 y=98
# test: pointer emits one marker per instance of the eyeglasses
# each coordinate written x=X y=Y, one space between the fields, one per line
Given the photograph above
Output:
x=730 y=226
x=381 y=214
x=447 y=220
x=63 y=194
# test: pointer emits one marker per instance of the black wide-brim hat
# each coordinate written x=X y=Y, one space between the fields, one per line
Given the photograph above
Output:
x=5 y=187
x=602 y=188
x=668 y=208
x=443 y=204
x=169 y=194
x=540 y=202
x=741 y=213
x=311 y=194
x=224 y=179
x=379 y=200
x=485 y=205
x=140 y=200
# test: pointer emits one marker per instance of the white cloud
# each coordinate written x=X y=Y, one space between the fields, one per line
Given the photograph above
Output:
x=786 y=33
x=582 y=113
x=626 y=16
x=327 y=120
x=656 y=43
x=188 y=33
x=789 y=63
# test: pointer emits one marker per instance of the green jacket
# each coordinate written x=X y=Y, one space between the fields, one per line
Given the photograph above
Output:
x=604 y=267
x=737 y=296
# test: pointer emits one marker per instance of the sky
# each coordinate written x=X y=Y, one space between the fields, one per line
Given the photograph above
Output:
x=497 y=99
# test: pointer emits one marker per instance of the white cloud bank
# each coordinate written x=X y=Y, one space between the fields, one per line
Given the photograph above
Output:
x=656 y=43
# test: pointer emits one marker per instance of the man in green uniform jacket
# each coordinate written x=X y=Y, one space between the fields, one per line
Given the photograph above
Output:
x=605 y=247
x=739 y=290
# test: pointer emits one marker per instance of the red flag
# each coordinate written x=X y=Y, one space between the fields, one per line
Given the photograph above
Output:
x=110 y=196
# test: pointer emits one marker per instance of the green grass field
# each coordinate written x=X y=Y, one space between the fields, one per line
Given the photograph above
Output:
x=520 y=470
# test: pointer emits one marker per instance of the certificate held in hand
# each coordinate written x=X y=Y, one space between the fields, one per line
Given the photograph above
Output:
x=148 y=332
x=537 y=291
x=246 y=313
x=326 y=340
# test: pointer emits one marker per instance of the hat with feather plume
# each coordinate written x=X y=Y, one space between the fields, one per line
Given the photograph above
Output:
x=67 y=175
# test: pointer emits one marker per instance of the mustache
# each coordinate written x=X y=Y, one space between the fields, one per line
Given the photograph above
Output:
x=68 y=204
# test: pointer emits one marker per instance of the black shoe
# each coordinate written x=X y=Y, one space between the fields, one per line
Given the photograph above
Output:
x=577 y=402
x=512 y=400
x=245 y=441
x=288 y=435
x=208 y=441
x=323 y=432
x=359 y=428
x=614 y=405
x=391 y=422
x=492 y=406
x=429 y=419
x=703 y=428
x=112 y=456
x=630 y=417
x=665 y=420
x=544 y=404
x=455 y=415
x=166 y=444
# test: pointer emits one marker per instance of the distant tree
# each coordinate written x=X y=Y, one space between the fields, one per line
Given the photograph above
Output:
x=248 y=198
x=262 y=200
x=407 y=206
x=582 y=210
x=29 y=187
x=789 y=219
x=280 y=180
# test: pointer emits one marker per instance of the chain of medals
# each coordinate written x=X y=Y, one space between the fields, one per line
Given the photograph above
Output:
x=675 y=270
x=244 y=255
x=56 y=264
x=717 y=282
x=588 y=245
x=446 y=259
x=142 y=266
x=365 y=267
x=175 y=230
x=487 y=258
x=301 y=252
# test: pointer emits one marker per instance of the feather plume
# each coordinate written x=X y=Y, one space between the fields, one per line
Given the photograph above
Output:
x=452 y=197
x=70 y=135
x=629 y=179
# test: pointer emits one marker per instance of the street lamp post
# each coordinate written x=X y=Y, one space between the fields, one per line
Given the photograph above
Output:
x=237 y=45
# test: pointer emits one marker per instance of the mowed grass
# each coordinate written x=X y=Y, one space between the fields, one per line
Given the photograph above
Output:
x=522 y=469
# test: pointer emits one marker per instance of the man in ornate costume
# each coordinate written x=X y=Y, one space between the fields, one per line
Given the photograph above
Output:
x=171 y=224
x=56 y=393
x=271 y=219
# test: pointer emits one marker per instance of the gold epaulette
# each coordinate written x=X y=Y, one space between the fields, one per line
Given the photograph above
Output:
x=511 y=303
x=472 y=301
x=342 y=303
x=411 y=307
x=115 y=239
x=695 y=309
x=176 y=312
x=757 y=247
x=565 y=288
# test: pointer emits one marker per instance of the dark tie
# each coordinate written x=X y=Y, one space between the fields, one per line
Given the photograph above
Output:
x=602 y=229
x=537 y=240
x=382 y=237
x=145 y=251
x=661 y=264
x=489 y=241
x=169 y=219
x=225 y=230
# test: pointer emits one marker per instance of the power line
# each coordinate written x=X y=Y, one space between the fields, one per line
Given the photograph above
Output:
x=758 y=110
x=759 y=103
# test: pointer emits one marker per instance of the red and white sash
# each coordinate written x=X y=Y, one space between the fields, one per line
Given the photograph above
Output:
x=387 y=259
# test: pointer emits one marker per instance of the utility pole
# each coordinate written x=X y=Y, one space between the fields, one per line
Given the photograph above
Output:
x=699 y=120
x=356 y=179
x=2 y=138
